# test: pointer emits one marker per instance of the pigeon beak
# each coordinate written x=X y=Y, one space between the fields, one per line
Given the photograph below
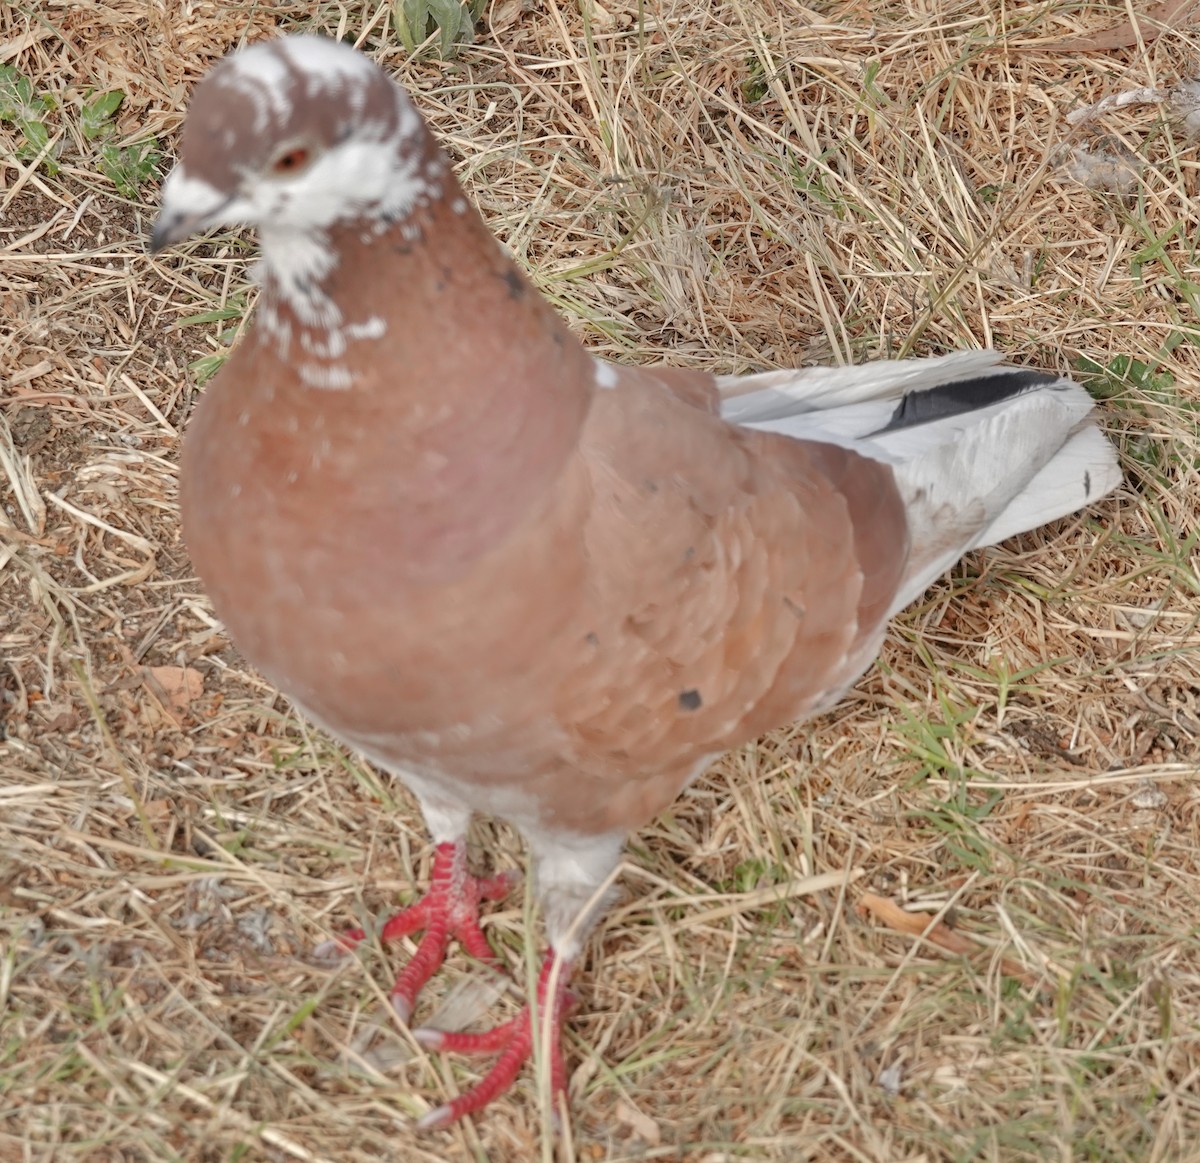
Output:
x=170 y=228
x=188 y=205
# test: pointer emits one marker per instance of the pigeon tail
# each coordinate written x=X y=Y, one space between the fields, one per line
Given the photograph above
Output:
x=980 y=452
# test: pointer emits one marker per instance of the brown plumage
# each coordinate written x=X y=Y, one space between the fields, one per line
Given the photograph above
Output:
x=524 y=581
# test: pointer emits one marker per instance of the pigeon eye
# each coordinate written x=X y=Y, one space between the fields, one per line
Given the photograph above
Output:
x=292 y=161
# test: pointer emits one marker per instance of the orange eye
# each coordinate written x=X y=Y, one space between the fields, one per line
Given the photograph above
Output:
x=290 y=162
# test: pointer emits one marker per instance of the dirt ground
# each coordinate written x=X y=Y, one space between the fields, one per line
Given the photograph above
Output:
x=956 y=919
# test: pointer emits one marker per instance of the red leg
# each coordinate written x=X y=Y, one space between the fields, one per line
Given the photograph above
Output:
x=448 y=911
x=513 y=1041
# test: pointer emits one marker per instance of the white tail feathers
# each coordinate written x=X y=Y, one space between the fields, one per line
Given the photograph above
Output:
x=980 y=452
x=765 y=396
x=1083 y=470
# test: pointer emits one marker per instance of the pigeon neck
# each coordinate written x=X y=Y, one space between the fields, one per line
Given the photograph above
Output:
x=438 y=358
x=434 y=292
x=398 y=181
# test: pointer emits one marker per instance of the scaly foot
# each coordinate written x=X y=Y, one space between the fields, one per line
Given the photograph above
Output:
x=514 y=1041
x=448 y=911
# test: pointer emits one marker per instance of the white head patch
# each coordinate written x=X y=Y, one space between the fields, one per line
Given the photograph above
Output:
x=294 y=136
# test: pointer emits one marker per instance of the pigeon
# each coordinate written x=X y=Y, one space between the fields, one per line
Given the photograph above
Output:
x=527 y=582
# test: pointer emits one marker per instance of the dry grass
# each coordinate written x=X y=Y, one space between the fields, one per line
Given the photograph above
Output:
x=729 y=184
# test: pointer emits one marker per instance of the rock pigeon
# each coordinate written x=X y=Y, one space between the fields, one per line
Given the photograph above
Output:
x=525 y=581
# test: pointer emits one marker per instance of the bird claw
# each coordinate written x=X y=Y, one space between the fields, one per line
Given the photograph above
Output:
x=401 y=1007
x=448 y=911
x=513 y=1041
x=440 y=1116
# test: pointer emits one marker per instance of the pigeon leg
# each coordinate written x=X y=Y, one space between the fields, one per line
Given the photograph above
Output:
x=514 y=1041
x=571 y=871
x=448 y=911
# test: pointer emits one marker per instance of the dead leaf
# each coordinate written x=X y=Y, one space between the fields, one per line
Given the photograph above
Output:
x=176 y=686
x=57 y=716
x=1152 y=24
x=158 y=809
x=939 y=933
x=640 y=1124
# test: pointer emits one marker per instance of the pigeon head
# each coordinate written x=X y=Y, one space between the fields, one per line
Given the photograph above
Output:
x=293 y=136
